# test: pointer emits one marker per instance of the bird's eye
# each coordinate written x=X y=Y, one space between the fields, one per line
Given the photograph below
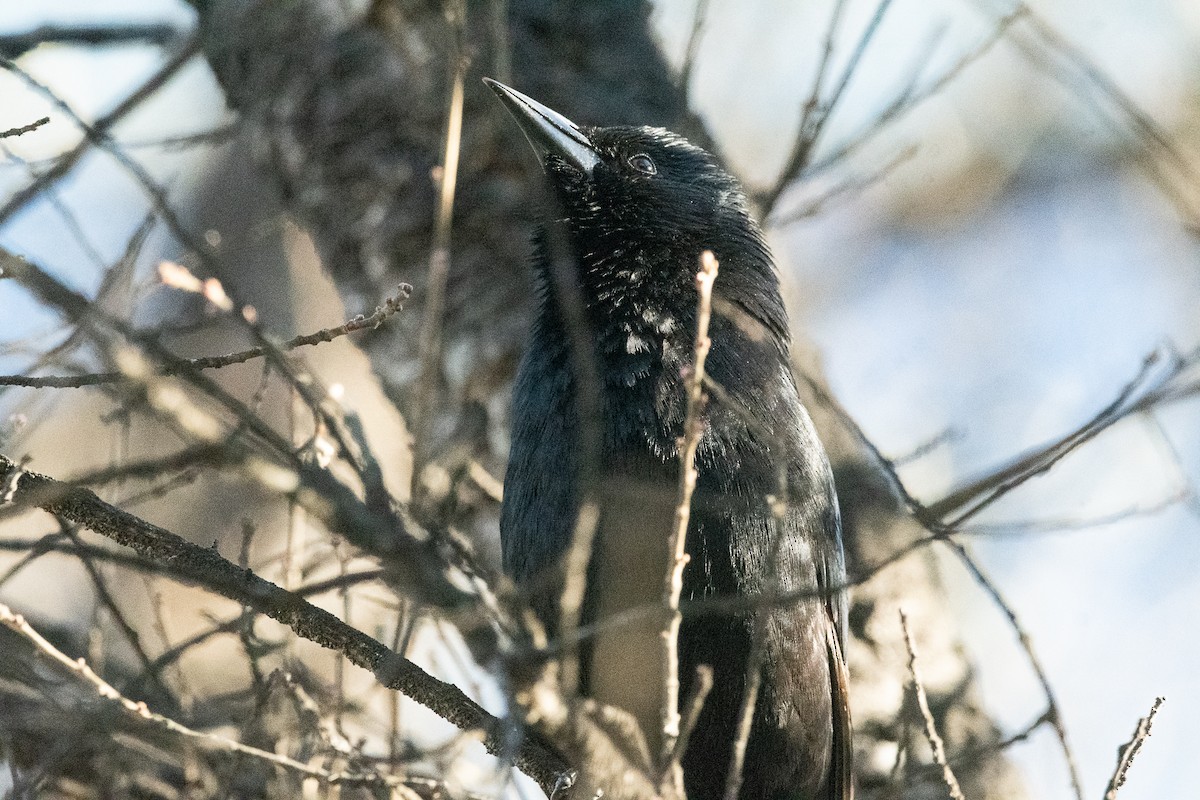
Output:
x=642 y=163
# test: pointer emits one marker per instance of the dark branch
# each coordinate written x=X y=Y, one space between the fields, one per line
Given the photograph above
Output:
x=13 y=45
x=207 y=568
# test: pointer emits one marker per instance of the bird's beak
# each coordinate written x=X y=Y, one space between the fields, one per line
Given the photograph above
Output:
x=549 y=132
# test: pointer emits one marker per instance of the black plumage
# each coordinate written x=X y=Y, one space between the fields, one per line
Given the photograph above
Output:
x=637 y=208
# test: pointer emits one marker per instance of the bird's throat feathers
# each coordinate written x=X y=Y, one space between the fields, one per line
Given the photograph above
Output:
x=633 y=240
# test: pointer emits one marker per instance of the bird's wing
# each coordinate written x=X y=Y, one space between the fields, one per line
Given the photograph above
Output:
x=841 y=767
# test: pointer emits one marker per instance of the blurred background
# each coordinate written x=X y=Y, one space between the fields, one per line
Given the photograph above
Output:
x=977 y=277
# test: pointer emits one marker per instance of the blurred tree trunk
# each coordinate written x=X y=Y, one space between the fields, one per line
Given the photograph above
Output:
x=343 y=114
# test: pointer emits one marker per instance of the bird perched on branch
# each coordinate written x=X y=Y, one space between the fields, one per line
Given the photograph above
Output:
x=598 y=415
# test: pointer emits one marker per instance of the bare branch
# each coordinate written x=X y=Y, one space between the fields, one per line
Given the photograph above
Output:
x=816 y=114
x=100 y=128
x=13 y=45
x=358 y=323
x=935 y=740
x=207 y=568
x=693 y=429
x=699 y=16
x=701 y=686
x=910 y=98
x=140 y=713
x=1130 y=750
x=1158 y=371
x=852 y=185
x=33 y=126
x=1104 y=90
x=1053 y=711
x=416 y=562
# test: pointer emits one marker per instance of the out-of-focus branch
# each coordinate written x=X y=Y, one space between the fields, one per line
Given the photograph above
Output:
x=1164 y=377
x=432 y=322
x=912 y=97
x=1127 y=753
x=700 y=688
x=851 y=186
x=699 y=16
x=1053 y=710
x=418 y=562
x=816 y=113
x=1157 y=376
x=13 y=45
x=100 y=127
x=1144 y=392
x=1076 y=70
x=209 y=569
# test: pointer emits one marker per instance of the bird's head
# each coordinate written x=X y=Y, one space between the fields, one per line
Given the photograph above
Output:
x=641 y=205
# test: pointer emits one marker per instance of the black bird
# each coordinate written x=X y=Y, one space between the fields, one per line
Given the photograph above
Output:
x=638 y=206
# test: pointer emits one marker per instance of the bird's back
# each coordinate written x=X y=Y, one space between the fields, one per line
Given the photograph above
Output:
x=739 y=545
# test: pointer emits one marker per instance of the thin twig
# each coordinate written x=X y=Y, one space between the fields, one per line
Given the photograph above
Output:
x=1054 y=711
x=702 y=684
x=1130 y=750
x=305 y=385
x=693 y=430
x=418 y=563
x=816 y=114
x=909 y=99
x=852 y=186
x=575 y=579
x=758 y=643
x=745 y=718
x=1069 y=524
x=390 y=306
x=108 y=600
x=501 y=41
x=1148 y=132
x=581 y=348
x=33 y=126
x=174 y=653
x=812 y=105
x=1156 y=374
x=935 y=741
